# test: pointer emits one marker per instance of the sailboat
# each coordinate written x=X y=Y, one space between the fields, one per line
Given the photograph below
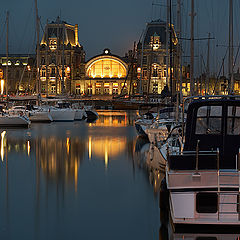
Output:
x=7 y=119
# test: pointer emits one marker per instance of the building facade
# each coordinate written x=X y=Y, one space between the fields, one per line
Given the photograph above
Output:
x=21 y=74
x=153 y=64
x=62 y=59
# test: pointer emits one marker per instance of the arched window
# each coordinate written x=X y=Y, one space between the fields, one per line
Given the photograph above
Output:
x=106 y=67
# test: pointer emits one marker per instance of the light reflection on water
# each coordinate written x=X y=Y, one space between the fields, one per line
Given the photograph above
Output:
x=75 y=180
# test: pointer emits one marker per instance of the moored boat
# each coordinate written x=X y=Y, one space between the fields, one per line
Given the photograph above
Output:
x=13 y=120
x=203 y=178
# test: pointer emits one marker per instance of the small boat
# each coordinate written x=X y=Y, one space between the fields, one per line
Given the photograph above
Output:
x=13 y=120
x=203 y=178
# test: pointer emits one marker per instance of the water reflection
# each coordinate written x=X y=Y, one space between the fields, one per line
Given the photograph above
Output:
x=66 y=179
x=144 y=158
x=114 y=119
x=106 y=148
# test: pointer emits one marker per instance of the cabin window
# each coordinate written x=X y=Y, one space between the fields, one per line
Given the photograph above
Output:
x=233 y=121
x=209 y=120
x=206 y=202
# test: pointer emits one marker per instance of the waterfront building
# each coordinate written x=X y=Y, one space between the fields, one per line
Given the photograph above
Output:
x=61 y=59
x=152 y=61
x=21 y=74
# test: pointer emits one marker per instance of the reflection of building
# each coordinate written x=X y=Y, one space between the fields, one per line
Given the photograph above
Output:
x=152 y=57
x=106 y=74
x=112 y=119
x=21 y=73
x=106 y=147
x=60 y=158
x=56 y=78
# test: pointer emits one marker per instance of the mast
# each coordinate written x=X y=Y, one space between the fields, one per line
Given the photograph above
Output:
x=179 y=28
x=7 y=20
x=231 y=80
x=171 y=47
x=167 y=44
x=208 y=68
x=38 y=50
x=179 y=60
x=63 y=59
x=192 y=82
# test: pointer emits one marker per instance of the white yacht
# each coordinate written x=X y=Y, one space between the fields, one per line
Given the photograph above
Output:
x=34 y=113
x=203 y=178
x=13 y=120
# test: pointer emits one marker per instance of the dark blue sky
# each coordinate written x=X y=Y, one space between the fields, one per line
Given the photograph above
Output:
x=117 y=24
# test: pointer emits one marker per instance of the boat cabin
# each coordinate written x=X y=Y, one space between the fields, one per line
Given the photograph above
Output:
x=213 y=134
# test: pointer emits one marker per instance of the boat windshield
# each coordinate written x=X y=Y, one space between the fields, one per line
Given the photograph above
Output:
x=233 y=120
x=209 y=120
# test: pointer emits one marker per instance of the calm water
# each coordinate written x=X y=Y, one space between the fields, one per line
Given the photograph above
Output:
x=76 y=181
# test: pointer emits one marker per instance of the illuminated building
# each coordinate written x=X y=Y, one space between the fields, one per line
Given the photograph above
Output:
x=52 y=55
x=21 y=73
x=106 y=75
x=152 y=58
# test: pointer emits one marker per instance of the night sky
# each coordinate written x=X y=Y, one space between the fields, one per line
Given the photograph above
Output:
x=117 y=24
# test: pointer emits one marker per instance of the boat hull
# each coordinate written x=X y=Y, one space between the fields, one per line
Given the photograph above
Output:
x=62 y=115
x=80 y=114
x=14 y=121
x=40 y=117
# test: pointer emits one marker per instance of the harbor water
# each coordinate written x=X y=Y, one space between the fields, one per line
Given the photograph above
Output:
x=77 y=180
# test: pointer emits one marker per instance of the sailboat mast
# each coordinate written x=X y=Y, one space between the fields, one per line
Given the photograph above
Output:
x=167 y=43
x=192 y=82
x=38 y=50
x=63 y=59
x=7 y=20
x=171 y=47
x=231 y=80
x=208 y=65
x=179 y=30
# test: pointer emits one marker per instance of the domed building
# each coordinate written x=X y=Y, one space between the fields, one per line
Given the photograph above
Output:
x=108 y=74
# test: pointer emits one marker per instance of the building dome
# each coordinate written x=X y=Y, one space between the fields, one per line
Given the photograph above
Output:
x=106 y=65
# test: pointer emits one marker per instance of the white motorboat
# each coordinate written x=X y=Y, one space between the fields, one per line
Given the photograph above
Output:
x=13 y=120
x=203 y=178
